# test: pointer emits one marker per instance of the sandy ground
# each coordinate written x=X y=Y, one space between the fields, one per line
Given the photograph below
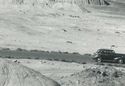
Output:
x=53 y=69
x=65 y=28
x=74 y=74
x=25 y=72
x=14 y=74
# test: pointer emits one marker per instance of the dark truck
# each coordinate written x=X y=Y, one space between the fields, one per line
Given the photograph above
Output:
x=108 y=55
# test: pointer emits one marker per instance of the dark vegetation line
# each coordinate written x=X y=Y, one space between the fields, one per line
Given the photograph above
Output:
x=46 y=55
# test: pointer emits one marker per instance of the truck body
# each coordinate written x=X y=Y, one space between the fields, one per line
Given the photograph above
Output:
x=108 y=55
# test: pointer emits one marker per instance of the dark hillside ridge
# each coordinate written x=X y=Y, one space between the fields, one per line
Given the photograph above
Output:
x=55 y=56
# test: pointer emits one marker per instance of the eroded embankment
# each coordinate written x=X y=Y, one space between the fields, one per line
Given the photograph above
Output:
x=12 y=74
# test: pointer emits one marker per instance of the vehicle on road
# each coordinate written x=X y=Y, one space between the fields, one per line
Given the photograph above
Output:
x=108 y=55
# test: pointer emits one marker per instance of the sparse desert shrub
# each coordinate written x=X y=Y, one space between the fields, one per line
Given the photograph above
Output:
x=53 y=52
x=88 y=54
x=56 y=59
x=70 y=61
x=5 y=48
x=19 y=57
x=113 y=46
x=79 y=30
x=63 y=60
x=69 y=42
x=100 y=63
x=37 y=58
x=109 y=64
x=33 y=50
x=88 y=11
x=42 y=51
x=54 y=14
x=117 y=74
x=36 y=51
x=28 y=57
x=65 y=52
x=16 y=61
x=64 y=30
x=83 y=63
x=47 y=51
x=20 y=49
x=75 y=53
x=60 y=52
x=98 y=29
x=49 y=59
x=9 y=57
x=117 y=32
x=74 y=16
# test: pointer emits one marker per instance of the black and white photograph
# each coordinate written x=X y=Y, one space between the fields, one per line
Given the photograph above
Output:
x=62 y=42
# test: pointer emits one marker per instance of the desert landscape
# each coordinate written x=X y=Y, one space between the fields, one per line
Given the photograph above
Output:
x=25 y=72
x=62 y=25
x=51 y=42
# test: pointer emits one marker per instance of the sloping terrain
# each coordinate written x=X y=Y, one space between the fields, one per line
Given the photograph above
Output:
x=19 y=2
x=96 y=76
x=74 y=74
x=62 y=25
x=13 y=74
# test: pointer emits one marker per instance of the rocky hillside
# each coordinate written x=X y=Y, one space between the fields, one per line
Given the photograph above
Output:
x=98 y=76
x=84 y=2
x=50 y=2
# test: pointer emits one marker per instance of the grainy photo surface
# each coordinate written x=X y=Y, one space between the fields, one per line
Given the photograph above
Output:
x=62 y=42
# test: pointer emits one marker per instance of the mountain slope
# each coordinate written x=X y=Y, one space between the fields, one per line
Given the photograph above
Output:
x=62 y=26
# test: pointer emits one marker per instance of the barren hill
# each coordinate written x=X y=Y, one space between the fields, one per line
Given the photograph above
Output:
x=13 y=74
